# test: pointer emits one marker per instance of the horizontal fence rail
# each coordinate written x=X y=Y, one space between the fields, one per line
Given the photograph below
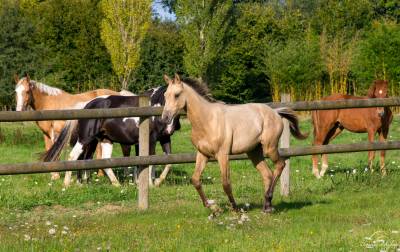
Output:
x=44 y=167
x=71 y=114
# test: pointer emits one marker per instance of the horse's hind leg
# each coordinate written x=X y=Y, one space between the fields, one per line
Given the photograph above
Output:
x=73 y=155
x=223 y=161
x=106 y=152
x=257 y=158
x=99 y=154
x=334 y=132
x=279 y=163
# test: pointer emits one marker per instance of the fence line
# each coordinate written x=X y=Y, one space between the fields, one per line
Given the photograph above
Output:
x=45 y=167
x=70 y=114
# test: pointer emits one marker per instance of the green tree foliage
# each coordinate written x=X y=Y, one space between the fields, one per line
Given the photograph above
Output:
x=239 y=73
x=76 y=58
x=295 y=67
x=377 y=56
x=123 y=29
x=161 y=53
x=18 y=51
x=203 y=25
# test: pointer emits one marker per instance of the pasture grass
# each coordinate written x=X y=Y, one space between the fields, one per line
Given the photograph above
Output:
x=349 y=209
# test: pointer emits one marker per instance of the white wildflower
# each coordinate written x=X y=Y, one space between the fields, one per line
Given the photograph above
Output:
x=48 y=223
x=52 y=231
x=26 y=237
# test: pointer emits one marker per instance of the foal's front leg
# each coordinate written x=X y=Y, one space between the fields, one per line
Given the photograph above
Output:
x=201 y=161
x=223 y=161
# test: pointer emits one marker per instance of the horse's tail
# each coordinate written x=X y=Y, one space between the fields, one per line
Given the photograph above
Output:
x=53 y=154
x=293 y=122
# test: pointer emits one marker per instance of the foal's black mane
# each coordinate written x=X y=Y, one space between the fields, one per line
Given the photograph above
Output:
x=200 y=87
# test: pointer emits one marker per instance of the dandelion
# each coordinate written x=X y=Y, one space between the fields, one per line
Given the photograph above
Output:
x=48 y=223
x=393 y=162
x=63 y=190
x=366 y=169
x=297 y=171
x=98 y=202
x=64 y=232
x=331 y=175
x=122 y=191
x=27 y=237
x=395 y=232
x=65 y=228
x=73 y=216
x=55 y=225
x=354 y=171
x=247 y=205
x=208 y=178
x=97 y=180
x=36 y=182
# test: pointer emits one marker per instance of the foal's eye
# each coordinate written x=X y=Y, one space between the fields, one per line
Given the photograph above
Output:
x=177 y=96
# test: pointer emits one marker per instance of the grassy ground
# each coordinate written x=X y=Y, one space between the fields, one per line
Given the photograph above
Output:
x=349 y=209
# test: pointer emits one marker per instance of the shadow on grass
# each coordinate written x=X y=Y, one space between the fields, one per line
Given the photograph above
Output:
x=283 y=206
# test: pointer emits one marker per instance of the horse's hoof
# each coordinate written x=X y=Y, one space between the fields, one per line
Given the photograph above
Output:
x=268 y=210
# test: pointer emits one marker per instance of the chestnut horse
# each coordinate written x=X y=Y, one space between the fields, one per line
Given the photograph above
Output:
x=219 y=130
x=330 y=123
x=39 y=96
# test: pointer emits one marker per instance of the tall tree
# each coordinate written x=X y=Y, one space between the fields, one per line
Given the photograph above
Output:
x=203 y=26
x=161 y=53
x=123 y=29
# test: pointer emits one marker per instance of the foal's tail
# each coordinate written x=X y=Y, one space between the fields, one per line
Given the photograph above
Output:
x=293 y=121
x=53 y=154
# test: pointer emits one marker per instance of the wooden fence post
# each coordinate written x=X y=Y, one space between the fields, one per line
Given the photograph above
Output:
x=144 y=135
x=285 y=143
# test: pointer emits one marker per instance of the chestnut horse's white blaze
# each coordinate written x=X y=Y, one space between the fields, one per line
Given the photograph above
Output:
x=219 y=130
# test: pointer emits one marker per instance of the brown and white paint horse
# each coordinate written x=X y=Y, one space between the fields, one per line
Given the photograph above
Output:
x=330 y=123
x=39 y=96
x=219 y=130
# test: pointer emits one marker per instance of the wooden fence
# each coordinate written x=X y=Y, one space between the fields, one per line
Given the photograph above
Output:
x=144 y=160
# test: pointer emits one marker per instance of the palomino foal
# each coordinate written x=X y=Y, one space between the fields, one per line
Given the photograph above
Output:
x=219 y=130
x=330 y=123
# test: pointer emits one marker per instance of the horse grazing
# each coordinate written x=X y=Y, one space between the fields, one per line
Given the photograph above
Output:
x=219 y=130
x=39 y=96
x=330 y=123
x=107 y=131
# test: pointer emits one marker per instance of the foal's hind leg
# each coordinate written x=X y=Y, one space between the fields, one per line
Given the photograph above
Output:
x=223 y=161
x=257 y=158
x=279 y=163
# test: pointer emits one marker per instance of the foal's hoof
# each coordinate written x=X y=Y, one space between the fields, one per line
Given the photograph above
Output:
x=268 y=210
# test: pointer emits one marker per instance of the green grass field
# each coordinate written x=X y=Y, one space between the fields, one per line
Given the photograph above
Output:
x=349 y=209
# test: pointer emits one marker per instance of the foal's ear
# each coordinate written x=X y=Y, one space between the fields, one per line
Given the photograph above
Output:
x=16 y=78
x=177 y=78
x=167 y=79
x=371 y=90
